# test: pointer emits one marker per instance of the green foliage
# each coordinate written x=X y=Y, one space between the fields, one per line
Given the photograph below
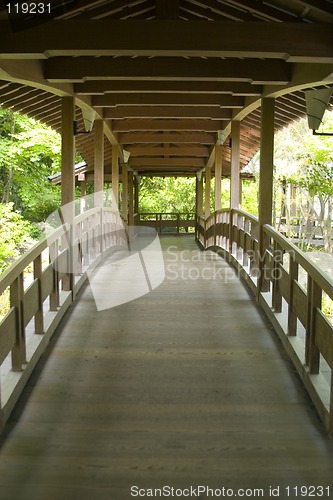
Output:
x=250 y=196
x=29 y=153
x=169 y=194
x=15 y=235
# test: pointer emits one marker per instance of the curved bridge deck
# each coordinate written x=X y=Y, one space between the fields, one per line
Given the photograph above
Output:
x=187 y=385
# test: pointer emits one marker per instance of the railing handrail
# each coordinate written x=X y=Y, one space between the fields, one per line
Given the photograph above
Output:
x=166 y=213
x=238 y=211
x=301 y=258
x=17 y=267
x=243 y=213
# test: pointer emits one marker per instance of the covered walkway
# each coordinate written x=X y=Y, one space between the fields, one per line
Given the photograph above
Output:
x=187 y=385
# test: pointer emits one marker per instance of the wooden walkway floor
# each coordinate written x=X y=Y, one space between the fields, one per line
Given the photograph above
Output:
x=186 y=386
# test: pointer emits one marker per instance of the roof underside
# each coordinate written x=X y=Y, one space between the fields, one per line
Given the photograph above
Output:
x=167 y=75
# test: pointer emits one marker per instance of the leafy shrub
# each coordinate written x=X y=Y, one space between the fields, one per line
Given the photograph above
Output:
x=15 y=235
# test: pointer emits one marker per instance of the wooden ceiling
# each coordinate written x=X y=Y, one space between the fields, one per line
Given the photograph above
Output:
x=167 y=75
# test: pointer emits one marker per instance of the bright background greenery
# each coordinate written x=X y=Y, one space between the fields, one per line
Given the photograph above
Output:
x=30 y=152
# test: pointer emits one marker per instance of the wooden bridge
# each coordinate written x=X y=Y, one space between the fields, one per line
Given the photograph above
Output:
x=190 y=385
x=205 y=381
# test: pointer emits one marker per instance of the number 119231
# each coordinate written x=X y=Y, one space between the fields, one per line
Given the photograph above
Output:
x=29 y=8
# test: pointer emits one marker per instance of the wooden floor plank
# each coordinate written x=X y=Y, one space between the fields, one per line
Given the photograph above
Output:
x=187 y=385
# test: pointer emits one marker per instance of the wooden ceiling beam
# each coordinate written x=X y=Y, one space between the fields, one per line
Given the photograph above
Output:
x=169 y=138
x=167 y=162
x=157 y=150
x=167 y=125
x=223 y=101
x=101 y=87
x=288 y=41
x=212 y=112
x=80 y=69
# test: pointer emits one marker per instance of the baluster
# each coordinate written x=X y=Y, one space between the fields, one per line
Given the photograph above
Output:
x=17 y=301
x=39 y=316
x=230 y=231
x=54 y=295
x=246 y=232
x=101 y=224
x=276 y=293
x=292 y=316
x=314 y=302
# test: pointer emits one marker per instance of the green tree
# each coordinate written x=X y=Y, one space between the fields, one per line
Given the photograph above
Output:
x=306 y=161
x=29 y=153
x=169 y=194
x=15 y=235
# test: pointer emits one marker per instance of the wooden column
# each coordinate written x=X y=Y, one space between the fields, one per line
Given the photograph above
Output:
x=68 y=180
x=99 y=163
x=115 y=175
x=218 y=176
x=67 y=151
x=124 y=204
x=136 y=194
x=207 y=192
x=266 y=161
x=130 y=198
x=235 y=165
x=265 y=182
x=199 y=195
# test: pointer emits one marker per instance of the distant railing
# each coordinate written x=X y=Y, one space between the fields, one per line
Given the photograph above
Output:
x=168 y=222
x=41 y=285
x=289 y=287
x=301 y=228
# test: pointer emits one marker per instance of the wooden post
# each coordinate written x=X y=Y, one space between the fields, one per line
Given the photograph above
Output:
x=115 y=176
x=207 y=192
x=68 y=180
x=136 y=195
x=130 y=198
x=265 y=183
x=124 y=204
x=198 y=203
x=99 y=163
x=218 y=176
x=235 y=165
x=199 y=196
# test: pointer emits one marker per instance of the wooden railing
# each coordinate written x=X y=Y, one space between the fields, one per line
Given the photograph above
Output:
x=41 y=285
x=291 y=290
x=169 y=222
